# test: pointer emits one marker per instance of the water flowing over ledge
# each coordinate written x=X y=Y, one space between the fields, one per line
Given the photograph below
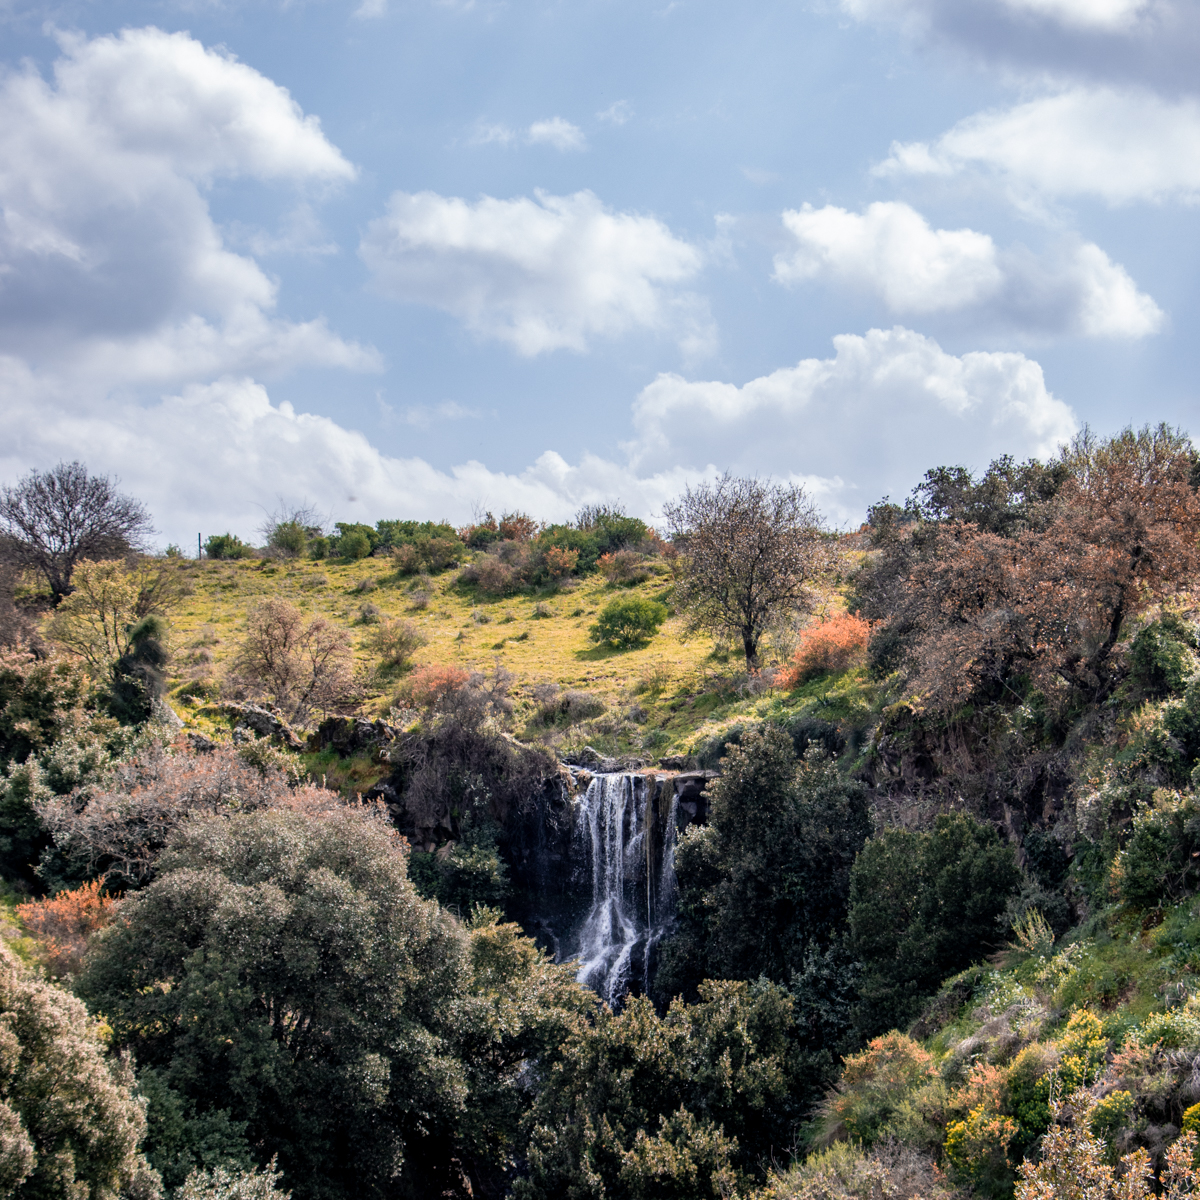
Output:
x=624 y=846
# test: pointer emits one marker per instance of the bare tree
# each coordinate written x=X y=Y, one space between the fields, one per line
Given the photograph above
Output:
x=52 y=520
x=300 y=666
x=749 y=552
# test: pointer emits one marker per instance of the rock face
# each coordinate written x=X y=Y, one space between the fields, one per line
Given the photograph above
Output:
x=265 y=722
x=354 y=735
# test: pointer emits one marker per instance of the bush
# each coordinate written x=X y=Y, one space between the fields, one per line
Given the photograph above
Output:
x=628 y=622
x=429 y=686
x=833 y=645
x=300 y=666
x=70 y=1123
x=396 y=642
x=922 y=906
x=559 y=563
x=63 y=924
x=1163 y=655
x=354 y=544
x=625 y=567
x=226 y=546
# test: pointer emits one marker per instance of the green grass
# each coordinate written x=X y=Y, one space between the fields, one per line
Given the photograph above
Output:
x=682 y=689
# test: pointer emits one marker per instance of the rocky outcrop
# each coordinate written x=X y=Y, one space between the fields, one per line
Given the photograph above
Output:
x=263 y=721
x=349 y=736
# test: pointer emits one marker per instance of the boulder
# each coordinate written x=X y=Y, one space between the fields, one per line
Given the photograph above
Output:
x=265 y=722
x=354 y=735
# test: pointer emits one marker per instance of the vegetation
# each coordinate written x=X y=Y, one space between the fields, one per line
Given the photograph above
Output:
x=936 y=925
x=53 y=520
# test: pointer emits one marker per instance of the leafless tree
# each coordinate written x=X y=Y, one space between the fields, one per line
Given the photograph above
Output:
x=303 y=667
x=52 y=520
x=750 y=552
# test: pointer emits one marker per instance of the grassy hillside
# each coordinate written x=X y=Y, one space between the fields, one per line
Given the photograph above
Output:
x=670 y=696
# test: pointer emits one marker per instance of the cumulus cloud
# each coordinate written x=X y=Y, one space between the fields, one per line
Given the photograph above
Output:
x=884 y=402
x=893 y=252
x=541 y=274
x=1152 y=42
x=851 y=428
x=1120 y=145
x=111 y=267
x=219 y=454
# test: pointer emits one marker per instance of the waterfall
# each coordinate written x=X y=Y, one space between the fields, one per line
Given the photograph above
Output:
x=626 y=844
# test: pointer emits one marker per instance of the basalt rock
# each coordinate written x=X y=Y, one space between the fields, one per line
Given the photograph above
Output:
x=349 y=736
x=265 y=722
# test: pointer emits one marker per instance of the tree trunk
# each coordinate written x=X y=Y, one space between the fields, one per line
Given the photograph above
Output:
x=750 y=645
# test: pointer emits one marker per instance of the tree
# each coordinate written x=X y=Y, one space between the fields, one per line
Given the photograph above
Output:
x=689 y=1105
x=313 y=995
x=750 y=551
x=300 y=666
x=70 y=1123
x=769 y=875
x=974 y=611
x=52 y=520
x=922 y=906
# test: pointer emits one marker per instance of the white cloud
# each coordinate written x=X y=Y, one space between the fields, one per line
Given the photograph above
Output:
x=215 y=456
x=557 y=132
x=892 y=251
x=851 y=428
x=1151 y=43
x=541 y=274
x=1084 y=14
x=1089 y=15
x=112 y=269
x=1121 y=145
x=620 y=112
x=885 y=402
x=553 y=131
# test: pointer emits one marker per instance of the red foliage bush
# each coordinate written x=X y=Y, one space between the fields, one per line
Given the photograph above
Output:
x=64 y=923
x=833 y=645
x=427 y=686
x=559 y=563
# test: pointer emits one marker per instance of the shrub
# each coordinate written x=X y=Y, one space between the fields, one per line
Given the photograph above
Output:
x=429 y=686
x=64 y=923
x=628 y=622
x=227 y=546
x=559 y=562
x=353 y=544
x=70 y=1122
x=623 y=567
x=1163 y=655
x=369 y=614
x=223 y=1184
x=832 y=645
x=493 y=577
x=396 y=642
x=301 y=666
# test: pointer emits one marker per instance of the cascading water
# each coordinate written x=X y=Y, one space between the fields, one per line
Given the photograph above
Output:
x=627 y=847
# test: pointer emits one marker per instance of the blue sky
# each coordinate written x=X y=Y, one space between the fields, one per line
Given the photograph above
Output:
x=422 y=258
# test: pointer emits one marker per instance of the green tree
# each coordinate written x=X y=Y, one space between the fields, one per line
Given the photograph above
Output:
x=923 y=906
x=70 y=1123
x=689 y=1105
x=282 y=969
x=769 y=876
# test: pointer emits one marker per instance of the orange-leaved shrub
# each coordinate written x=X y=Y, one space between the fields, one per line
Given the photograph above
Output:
x=427 y=686
x=559 y=562
x=64 y=923
x=832 y=645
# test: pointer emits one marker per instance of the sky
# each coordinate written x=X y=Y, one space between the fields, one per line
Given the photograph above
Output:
x=430 y=258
